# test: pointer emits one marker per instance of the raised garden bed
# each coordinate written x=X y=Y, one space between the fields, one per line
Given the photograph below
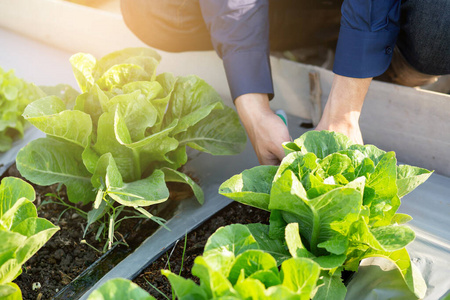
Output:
x=431 y=246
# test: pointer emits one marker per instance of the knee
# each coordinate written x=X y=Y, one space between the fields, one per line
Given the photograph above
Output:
x=424 y=37
x=172 y=26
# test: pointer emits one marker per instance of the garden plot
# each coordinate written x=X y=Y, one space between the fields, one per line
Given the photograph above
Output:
x=430 y=250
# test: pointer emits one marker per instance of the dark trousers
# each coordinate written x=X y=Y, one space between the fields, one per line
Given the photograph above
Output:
x=177 y=25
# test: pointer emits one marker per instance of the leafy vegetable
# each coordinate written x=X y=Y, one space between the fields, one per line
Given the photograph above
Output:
x=129 y=119
x=15 y=95
x=126 y=134
x=342 y=201
x=119 y=288
x=22 y=233
x=235 y=266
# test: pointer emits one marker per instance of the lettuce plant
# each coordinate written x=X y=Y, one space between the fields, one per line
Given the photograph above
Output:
x=236 y=264
x=342 y=198
x=15 y=95
x=119 y=288
x=22 y=233
x=126 y=134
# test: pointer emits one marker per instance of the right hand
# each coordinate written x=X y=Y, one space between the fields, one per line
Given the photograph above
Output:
x=266 y=131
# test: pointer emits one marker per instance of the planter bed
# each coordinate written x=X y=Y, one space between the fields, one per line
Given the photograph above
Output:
x=196 y=239
x=64 y=258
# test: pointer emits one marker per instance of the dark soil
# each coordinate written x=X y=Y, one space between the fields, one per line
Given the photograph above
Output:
x=232 y=214
x=64 y=257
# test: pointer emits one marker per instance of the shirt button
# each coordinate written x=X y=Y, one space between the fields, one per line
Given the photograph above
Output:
x=388 y=50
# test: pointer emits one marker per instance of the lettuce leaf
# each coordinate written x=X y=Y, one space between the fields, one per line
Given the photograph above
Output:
x=22 y=232
x=128 y=124
x=238 y=264
x=15 y=95
x=335 y=203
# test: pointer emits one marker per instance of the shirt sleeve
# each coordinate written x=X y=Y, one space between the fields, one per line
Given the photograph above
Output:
x=368 y=33
x=239 y=32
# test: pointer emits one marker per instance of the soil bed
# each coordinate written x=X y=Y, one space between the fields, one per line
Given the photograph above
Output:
x=64 y=257
x=173 y=258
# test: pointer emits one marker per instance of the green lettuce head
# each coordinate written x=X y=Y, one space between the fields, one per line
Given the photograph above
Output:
x=128 y=130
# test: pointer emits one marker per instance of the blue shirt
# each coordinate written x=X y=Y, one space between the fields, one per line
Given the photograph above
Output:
x=240 y=35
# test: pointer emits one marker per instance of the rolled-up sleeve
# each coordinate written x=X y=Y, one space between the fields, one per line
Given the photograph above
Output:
x=368 y=33
x=240 y=35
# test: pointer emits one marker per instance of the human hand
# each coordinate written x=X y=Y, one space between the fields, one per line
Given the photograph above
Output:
x=344 y=105
x=266 y=131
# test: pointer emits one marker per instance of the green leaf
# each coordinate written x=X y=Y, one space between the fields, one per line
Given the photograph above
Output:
x=106 y=174
x=400 y=219
x=250 y=288
x=127 y=160
x=324 y=221
x=322 y=143
x=223 y=136
x=125 y=56
x=91 y=104
x=332 y=289
x=214 y=283
x=277 y=225
x=393 y=237
x=267 y=277
x=300 y=275
x=334 y=164
x=34 y=242
x=49 y=115
x=329 y=262
x=409 y=177
x=83 y=66
x=10 y=291
x=381 y=191
x=119 y=288
x=234 y=239
x=290 y=147
x=274 y=246
x=281 y=292
x=121 y=74
x=191 y=101
x=11 y=241
x=369 y=151
x=64 y=92
x=409 y=272
x=294 y=242
x=301 y=164
x=251 y=187
x=47 y=161
x=96 y=213
x=185 y=289
x=171 y=175
x=137 y=112
x=148 y=191
x=15 y=199
x=252 y=261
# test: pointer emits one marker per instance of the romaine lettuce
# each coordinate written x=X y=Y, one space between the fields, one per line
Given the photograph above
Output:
x=127 y=132
x=343 y=199
x=22 y=233
x=237 y=265
x=15 y=95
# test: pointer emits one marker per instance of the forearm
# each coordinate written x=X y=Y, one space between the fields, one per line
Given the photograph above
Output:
x=344 y=106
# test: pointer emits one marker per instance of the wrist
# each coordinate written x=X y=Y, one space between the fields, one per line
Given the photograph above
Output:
x=251 y=107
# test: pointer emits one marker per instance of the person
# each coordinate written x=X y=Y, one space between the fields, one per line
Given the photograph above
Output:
x=412 y=34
